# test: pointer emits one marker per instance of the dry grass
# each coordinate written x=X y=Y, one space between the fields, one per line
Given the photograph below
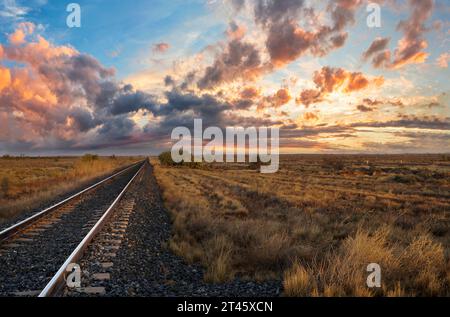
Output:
x=419 y=269
x=32 y=181
x=316 y=224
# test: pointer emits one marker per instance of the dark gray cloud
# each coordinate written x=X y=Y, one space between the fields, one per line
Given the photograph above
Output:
x=364 y=108
x=286 y=40
x=240 y=60
x=276 y=11
x=131 y=101
x=432 y=123
x=378 y=45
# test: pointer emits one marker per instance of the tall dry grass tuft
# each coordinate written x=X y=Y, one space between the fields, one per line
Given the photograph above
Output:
x=423 y=261
x=298 y=282
x=219 y=269
x=416 y=270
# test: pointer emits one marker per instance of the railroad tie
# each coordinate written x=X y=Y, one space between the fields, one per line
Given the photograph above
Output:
x=101 y=276
x=107 y=265
x=92 y=290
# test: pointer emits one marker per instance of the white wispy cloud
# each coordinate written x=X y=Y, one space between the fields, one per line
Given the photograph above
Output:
x=9 y=9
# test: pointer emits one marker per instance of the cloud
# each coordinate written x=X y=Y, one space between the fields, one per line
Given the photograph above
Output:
x=329 y=80
x=364 y=108
x=161 y=47
x=54 y=96
x=287 y=40
x=410 y=47
x=310 y=96
x=24 y=29
x=235 y=31
x=250 y=93
x=310 y=116
x=278 y=99
x=424 y=122
x=238 y=5
x=240 y=60
x=379 y=44
x=128 y=101
x=10 y=10
x=5 y=78
x=372 y=102
x=443 y=60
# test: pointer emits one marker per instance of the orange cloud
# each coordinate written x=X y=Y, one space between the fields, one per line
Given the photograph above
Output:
x=309 y=96
x=280 y=98
x=310 y=116
x=410 y=48
x=250 y=93
x=5 y=78
x=356 y=81
x=54 y=91
x=287 y=40
x=19 y=35
x=329 y=79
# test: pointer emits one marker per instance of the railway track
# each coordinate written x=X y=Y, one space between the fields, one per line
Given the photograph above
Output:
x=35 y=253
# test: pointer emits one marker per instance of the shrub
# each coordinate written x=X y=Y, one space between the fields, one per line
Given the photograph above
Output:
x=89 y=157
x=404 y=179
x=5 y=186
x=334 y=163
x=165 y=159
x=257 y=165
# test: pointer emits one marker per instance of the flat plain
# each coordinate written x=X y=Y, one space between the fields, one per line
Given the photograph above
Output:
x=26 y=183
x=317 y=223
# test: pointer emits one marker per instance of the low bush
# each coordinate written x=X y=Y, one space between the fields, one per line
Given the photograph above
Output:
x=5 y=186
x=165 y=159
x=333 y=163
x=89 y=158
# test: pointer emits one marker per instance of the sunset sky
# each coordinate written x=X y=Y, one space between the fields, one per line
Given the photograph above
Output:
x=137 y=69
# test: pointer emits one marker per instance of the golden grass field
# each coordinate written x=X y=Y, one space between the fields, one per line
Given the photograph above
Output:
x=25 y=183
x=317 y=223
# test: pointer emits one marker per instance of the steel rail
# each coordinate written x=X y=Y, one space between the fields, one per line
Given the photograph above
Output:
x=56 y=284
x=25 y=224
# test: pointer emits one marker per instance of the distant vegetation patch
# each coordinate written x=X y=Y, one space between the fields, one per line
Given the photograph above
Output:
x=165 y=159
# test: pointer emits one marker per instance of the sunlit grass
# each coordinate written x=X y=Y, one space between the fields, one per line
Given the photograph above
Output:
x=28 y=182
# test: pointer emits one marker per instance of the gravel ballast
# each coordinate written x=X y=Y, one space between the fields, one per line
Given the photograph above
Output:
x=32 y=262
x=144 y=266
